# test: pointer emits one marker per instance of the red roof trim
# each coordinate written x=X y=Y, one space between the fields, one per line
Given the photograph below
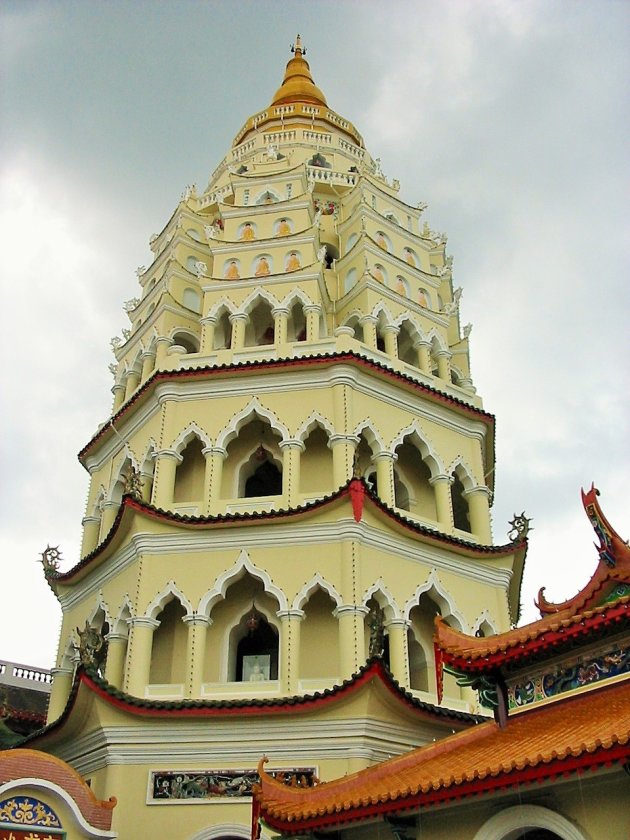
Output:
x=321 y=360
x=351 y=490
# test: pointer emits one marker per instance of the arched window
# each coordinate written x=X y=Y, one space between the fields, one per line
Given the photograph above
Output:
x=263 y=480
x=168 y=654
x=316 y=464
x=253 y=649
x=192 y=300
x=350 y=280
x=296 y=323
x=461 y=518
x=188 y=342
x=319 y=631
x=406 y=350
x=254 y=454
x=415 y=473
x=260 y=329
x=222 y=332
x=356 y=326
x=189 y=475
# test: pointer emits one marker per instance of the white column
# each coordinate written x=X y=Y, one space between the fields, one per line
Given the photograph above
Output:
x=290 y=649
x=311 y=312
x=238 y=321
x=110 y=509
x=280 y=318
x=390 y=332
x=139 y=654
x=291 y=451
x=115 y=664
x=442 y=486
x=369 y=322
x=208 y=325
x=164 y=477
x=385 y=476
x=162 y=346
x=423 y=349
x=60 y=691
x=119 y=396
x=148 y=363
x=398 y=656
x=133 y=380
x=91 y=528
x=444 y=364
x=351 y=619
x=195 y=652
x=479 y=512
x=218 y=455
x=343 y=447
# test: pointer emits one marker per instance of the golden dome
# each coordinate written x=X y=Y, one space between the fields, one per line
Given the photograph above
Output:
x=298 y=85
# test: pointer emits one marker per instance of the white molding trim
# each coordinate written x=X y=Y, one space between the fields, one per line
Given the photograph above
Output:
x=433 y=582
x=162 y=598
x=508 y=824
x=253 y=407
x=379 y=586
x=242 y=566
x=316 y=582
x=218 y=832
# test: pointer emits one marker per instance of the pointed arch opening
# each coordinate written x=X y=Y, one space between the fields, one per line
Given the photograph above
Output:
x=222 y=339
x=461 y=513
x=420 y=643
x=168 y=653
x=260 y=329
x=190 y=473
x=406 y=344
x=319 y=631
x=296 y=322
x=414 y=475
x=316 y=463
x=253 y=466
x=374 y=628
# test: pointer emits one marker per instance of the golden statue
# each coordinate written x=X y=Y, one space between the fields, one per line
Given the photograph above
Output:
x=409 y=258
x=422 y=298
x=293 y=263
x=231 y=272
x=248 y=232
x=401 y=288
x=377 y=274
x=262 y=269
x=283 y=228
x=381 y=241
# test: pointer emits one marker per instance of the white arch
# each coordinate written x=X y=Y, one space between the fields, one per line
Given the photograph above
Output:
x=381 y=309
x=255 y=297
x=367 y=429
x=218 y=832
x=171 y=591
x=125 y=612
x=241 y=567
x=314 y=419
x=316 y=582
x=253 y=408
x=224 y=304
x=101 y=496
x=56 y=792
x=379 y=587
x=463 y=471
x=484 y=616
x=297 y=294
x=116 y=486
x=415 y=328
x=147 y=461
x=434 y=336
x=429 y=456
x=267 y=189
x=509 y=823
x=186 y=435
x=101 y=606
x=444 y=599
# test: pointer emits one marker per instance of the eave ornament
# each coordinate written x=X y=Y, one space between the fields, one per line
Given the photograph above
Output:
x=520 y=526
x=92 y=648
x=51 y=560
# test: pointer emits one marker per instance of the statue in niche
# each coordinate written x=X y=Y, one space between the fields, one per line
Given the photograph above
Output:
x=377 y=632
x=377 y=274
x=381 y=241
x=201 y=268
x=409 y=257
x=422 y=298
x=401 y=287
x=272 y=152
x=467 y=330
x=231 y=271
x=210 y=231
x=284 y=229
x=453 y=307
x=247 y=233
x=293 y=263
x=262 y=268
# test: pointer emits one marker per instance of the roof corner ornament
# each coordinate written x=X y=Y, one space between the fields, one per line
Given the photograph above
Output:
x=92 y=648
x=133 y=484
x=297 y=48
x=520 y=527
x=453 y=307
x=610 y=543
x=51 y=560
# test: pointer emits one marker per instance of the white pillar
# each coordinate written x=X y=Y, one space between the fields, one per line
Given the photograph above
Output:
x=195 y=652
x=133 y=380
x=369 y=322
x=311 y=312
x=479 y=512
x=343 y=448
x=291 y=451
x=385 y=476
x=148 y=363
x=390 y=332
x=442 y=486
x=280 y=318
x=398 y=655
x=91 y=528
x=423 y=349
x=290 y=649
x=115 y=664
x=119 y=396
x=218 y=455
x=164 y=477
x=110 y=509
x=139 y=654
x=59 y=693
x=351 y=619
x=444 y=364
x=208 y=325
x=162 y=346
x=238 y=321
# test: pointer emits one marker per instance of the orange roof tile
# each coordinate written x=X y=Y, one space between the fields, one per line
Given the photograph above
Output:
x=535 y=745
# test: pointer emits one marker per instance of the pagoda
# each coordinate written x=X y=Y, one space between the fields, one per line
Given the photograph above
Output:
x=294 y=482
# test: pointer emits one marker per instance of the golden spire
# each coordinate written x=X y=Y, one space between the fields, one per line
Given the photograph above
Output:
x=298 y=85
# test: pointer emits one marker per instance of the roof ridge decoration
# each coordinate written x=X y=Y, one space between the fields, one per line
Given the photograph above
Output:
x=613 y=567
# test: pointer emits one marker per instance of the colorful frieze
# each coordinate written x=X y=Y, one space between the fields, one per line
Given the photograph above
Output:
x=195 y=785
x=29 y=834
x=565 y=678
x=26 y=811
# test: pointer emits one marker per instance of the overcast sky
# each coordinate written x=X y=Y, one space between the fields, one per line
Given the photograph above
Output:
x=509 y=118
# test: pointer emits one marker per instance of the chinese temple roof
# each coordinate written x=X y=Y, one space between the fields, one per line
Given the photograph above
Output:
x=356 y=492
x=588 y=730
x=602 y=607
x=374 y=674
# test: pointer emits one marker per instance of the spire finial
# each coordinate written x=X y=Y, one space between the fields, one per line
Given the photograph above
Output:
x=297 y=48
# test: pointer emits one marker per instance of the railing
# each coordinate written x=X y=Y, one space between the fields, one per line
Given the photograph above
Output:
x=289 y=136
x=317 y=137
x=12 y=673
x=329 y=176
x=351 y=149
